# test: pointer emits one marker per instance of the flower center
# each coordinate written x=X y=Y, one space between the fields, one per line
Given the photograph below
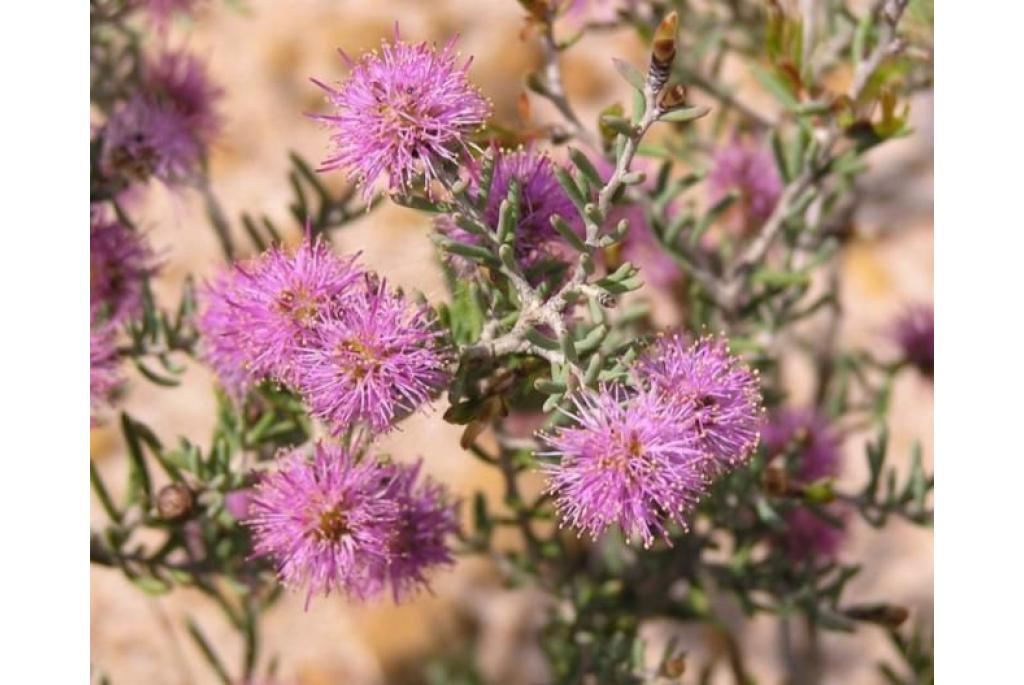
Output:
x=357 y=359
x=135 y=158
x=332 y=525
x=628 y=453
x=298 y=305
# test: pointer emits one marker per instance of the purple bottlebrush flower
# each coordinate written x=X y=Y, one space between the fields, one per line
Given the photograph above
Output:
x=403 y=111
x=914 y=332
x=631 y=460
x=326 y=522
x=372 y=361
x=238 y=503
x=748 y=168
x=806 y=440
x=164 y=130
x=420 y=541
x=812 y=452
x=180 y=80
x=809 y=535
x=223 y=327
x=144 y=139
x=724 y=395
x=256 y=317
x=119 y=262
x=104 y=375
x=161 y=12
x=540 y=198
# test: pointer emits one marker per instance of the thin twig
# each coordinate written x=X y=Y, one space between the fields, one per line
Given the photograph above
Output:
x=554 y=88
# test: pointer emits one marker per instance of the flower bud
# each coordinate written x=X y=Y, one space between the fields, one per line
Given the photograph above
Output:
x=237 y=503
x=663 y=51
x=174 y=502
x=673 y=97
x=888 y=615
x=775 y=481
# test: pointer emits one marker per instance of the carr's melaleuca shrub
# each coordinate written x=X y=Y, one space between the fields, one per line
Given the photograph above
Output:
x=647 y=472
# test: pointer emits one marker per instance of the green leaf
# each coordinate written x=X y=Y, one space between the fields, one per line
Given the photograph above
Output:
x=472 y=252
x=859 y=50
x=779 y=151
x=540 y=340
x=207 y=651
x=769 y=276
x=776 y=86
x=831 y=620
x=684 y=114
x=154 y=377
x=508 y=213
x=630 y=73
x=568 y=234
x=571 y=189
x=462 y=413
x=712 y=215
x=481 y=519
x=467 y=313
x=618 y=125
x=140 y=485
x=548 y=387
x=767 y=514
x=102 y=494
x=592 y=340
x=614 y=110
x=152 y=585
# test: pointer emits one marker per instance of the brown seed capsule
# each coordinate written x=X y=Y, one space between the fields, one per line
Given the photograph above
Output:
x=675 y=667
x=174 y=502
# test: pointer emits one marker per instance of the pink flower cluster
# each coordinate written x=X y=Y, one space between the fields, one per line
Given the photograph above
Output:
x=403 y=113
x=120 y=262
x=165 y=128
x=359 y=353
x=642 y=458
x=341 y=523
x=748 y=169
x=810 y=451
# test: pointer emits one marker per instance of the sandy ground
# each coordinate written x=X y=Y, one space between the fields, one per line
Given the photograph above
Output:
x=263 y=57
